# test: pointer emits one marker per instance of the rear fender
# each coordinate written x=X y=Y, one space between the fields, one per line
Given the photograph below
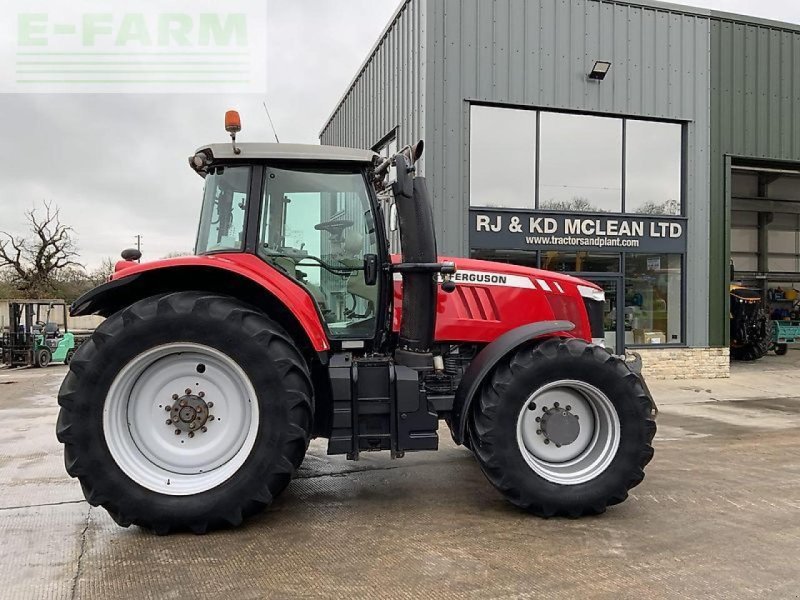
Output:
x=267 y=289
x=487 y=358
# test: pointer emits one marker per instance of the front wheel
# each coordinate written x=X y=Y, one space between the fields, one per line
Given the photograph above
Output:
x=563 y=428
x=42 y=357
x=185 y=411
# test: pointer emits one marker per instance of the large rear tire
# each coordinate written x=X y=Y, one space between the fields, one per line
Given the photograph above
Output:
x=185 y=411
x=563 y=428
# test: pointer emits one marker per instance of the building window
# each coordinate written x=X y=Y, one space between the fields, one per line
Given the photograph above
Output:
x=580 y=262
x=653 y=298
x=586 y=163
x=502 y=157
x=525 y=258
x=580 y=166
x=653 y=167
x=386 y=149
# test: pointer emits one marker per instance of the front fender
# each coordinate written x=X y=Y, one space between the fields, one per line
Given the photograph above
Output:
x=485 y=361
x=242 y=276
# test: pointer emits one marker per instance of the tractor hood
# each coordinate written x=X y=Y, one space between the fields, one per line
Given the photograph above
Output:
x=492 y=298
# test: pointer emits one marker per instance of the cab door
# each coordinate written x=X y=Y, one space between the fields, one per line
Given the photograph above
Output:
x=317 y=227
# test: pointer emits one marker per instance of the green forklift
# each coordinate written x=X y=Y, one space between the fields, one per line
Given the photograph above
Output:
x=34 y=338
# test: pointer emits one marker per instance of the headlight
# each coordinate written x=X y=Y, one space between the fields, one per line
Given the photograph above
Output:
x=592 y=293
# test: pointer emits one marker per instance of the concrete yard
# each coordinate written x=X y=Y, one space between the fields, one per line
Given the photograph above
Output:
x=718 y=516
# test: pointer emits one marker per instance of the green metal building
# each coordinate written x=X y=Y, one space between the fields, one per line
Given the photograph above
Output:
x=755 y=123
x=643 y=145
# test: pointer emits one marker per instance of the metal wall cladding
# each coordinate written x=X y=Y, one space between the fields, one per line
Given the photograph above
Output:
x=755 y=83
x=388 y=91
x=755 y=113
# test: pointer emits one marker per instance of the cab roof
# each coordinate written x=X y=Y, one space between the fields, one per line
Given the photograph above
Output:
x=309 y=152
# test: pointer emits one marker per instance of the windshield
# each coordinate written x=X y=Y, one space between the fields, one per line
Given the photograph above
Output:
x=224 y=209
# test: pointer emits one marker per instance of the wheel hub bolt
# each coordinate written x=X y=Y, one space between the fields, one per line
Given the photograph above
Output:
x=204 y=429
x=210 y=404
x=202 y=394
x=169 y=421
x=177 y=432
x=188 y=391
x=167 y=408
x=546 y=441
x=210 y=417
x=175 y=396
x=191 y=434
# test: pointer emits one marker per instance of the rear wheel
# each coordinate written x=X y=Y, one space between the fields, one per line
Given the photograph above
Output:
x=781 y=349
x=563 y=428
x=750 y=352
x=185 y=411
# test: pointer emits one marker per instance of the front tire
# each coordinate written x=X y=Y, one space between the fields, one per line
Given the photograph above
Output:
x=563 y=428
x=43 y=357
x=186 y=411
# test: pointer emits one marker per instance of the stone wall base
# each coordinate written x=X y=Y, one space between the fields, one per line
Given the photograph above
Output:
x=685 y=363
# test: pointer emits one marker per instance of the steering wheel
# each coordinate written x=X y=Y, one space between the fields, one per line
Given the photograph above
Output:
x=334 y=227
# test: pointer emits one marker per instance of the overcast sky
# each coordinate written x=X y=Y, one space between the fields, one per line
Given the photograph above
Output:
x=116 y=164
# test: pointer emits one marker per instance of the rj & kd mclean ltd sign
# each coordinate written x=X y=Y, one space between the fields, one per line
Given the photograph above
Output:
x=534 y=230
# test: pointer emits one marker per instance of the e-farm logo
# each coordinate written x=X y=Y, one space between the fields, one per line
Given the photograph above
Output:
x=171 y=46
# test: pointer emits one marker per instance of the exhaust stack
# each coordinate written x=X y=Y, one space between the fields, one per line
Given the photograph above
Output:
x=419 y=268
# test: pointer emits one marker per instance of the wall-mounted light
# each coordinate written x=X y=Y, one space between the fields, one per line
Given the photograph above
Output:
x=599 y=70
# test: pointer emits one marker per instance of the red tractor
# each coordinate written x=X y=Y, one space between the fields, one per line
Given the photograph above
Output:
x=194 y=402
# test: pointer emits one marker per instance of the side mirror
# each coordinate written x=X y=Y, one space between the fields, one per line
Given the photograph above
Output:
x=370 y=269
x=404 y=184
x=393 y=217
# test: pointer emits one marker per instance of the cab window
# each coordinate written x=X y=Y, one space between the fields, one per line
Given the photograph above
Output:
x=316 y=226
x=224 y=209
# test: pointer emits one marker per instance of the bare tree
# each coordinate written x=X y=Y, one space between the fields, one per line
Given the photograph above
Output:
x=36 y=260
x=102 y=273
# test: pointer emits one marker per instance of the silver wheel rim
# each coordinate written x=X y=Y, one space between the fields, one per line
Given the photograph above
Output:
x=214 y=406
x=594 y=447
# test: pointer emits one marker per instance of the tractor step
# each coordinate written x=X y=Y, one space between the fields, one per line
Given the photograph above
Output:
x=378 y=405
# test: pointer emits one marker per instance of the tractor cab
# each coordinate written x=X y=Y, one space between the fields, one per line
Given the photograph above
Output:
x=314 y=214
x=315 y=224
